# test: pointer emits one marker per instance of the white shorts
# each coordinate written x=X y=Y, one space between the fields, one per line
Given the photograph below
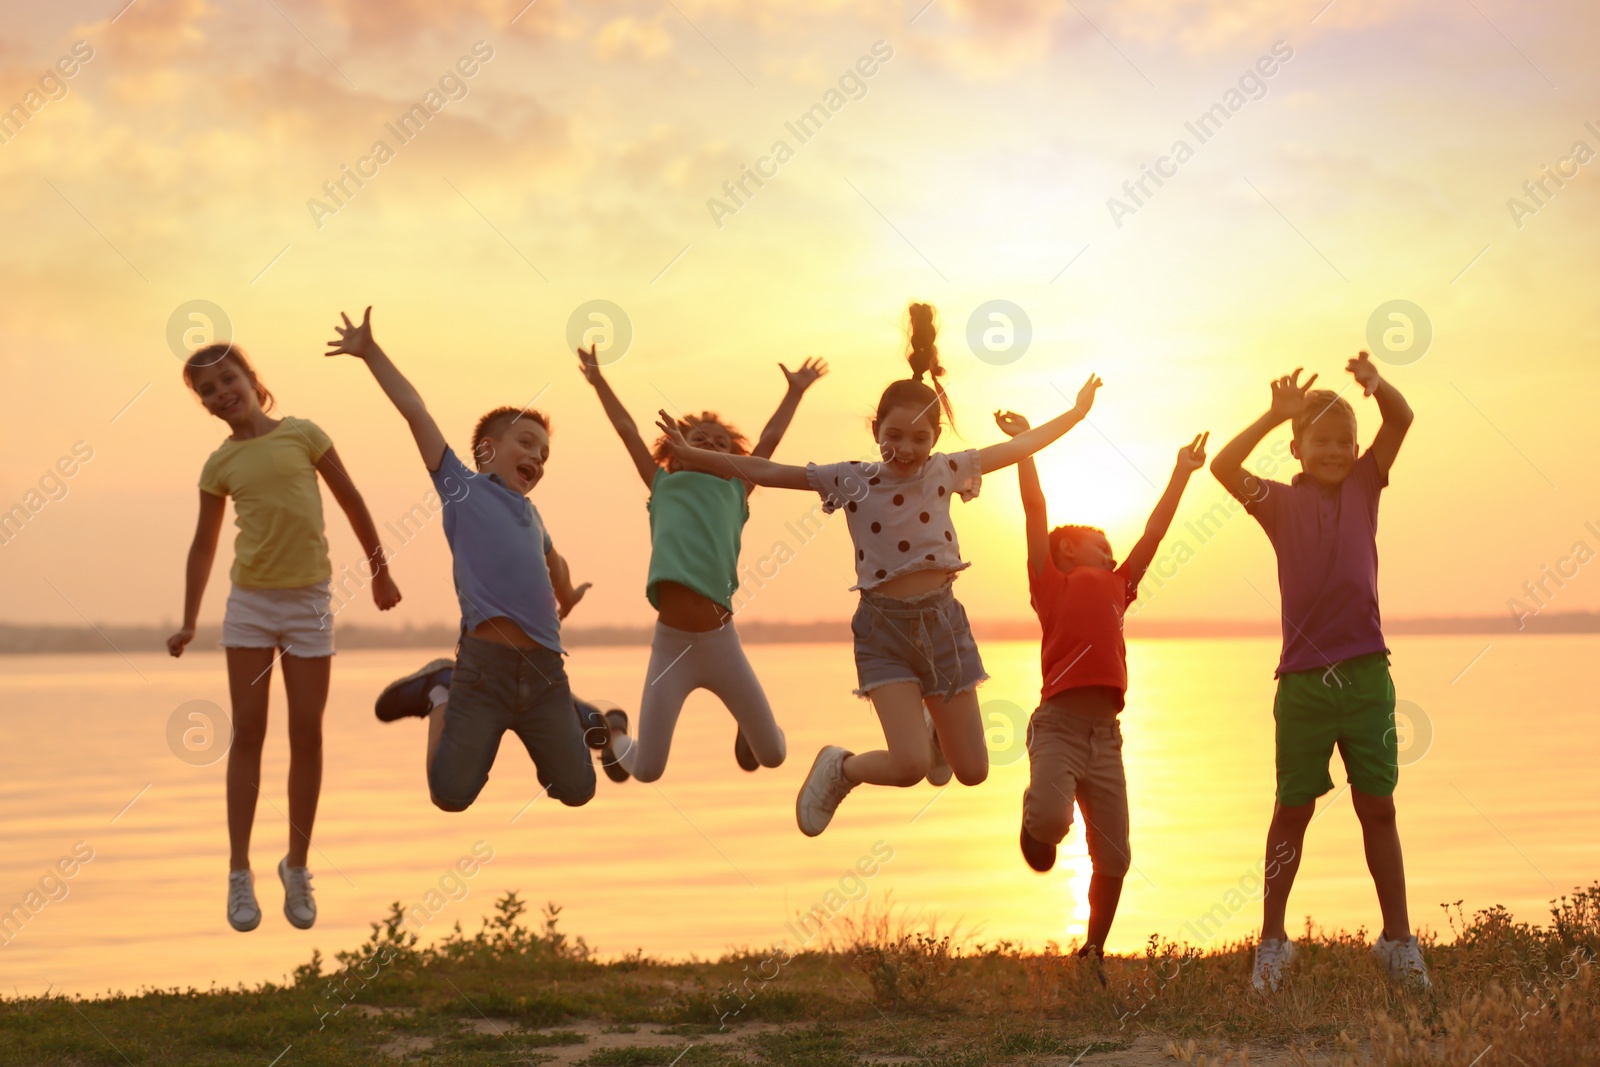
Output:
x=298 y=620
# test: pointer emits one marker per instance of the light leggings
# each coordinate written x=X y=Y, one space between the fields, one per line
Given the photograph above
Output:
x=682 y=661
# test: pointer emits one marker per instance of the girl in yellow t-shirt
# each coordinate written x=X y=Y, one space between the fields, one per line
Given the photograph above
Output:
x=280 y=600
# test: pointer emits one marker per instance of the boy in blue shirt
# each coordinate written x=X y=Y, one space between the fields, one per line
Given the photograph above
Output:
x=514 y=589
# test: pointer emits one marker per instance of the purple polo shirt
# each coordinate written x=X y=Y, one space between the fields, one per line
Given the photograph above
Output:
x=1327 y=545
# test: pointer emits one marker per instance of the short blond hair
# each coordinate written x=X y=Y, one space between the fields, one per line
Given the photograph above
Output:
x=1318 y=403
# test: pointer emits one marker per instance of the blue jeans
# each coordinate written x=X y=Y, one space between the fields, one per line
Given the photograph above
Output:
x=924 y=639
x=496 y=688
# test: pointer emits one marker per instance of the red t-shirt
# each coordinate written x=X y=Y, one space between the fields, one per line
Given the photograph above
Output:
x=1081 y=615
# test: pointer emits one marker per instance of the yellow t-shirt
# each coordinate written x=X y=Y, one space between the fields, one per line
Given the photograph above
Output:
x=277 y=504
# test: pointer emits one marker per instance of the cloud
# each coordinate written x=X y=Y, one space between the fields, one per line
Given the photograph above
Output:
x=628 y=38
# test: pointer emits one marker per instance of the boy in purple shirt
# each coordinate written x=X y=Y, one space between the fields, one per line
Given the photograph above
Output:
x=1334 y=688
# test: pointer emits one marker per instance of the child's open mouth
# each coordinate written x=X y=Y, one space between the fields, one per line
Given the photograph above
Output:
x=525 y=471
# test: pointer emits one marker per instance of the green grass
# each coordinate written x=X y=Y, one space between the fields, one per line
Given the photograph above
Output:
x=1524 y=992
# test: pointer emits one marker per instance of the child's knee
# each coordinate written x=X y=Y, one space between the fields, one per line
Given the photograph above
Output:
x=578 y=789
x=448 y=805
x=772 y=755
x=1376 y=812
x=975 y=775
x=907 y=770
x=1051 y=827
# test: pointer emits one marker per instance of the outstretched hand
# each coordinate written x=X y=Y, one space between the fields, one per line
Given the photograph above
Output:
x=1289 y=395
x=1086 y=394
x=1192 y=456
x=572 y=598
x=1365 y=373
x=802 y=379
x=354 y=340
x=1011 y=423
x=589 y=364
x=674 y=436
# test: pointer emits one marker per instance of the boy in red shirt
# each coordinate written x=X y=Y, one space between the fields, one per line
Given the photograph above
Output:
x=1074 y=738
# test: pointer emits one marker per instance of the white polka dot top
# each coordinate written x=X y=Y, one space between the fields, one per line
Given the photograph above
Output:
x=899 y=524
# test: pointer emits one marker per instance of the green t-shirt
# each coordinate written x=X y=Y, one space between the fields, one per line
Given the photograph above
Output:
x=277 y=504
x=695 y=524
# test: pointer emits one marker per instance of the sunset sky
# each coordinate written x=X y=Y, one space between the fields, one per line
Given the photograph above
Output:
x=184 y=160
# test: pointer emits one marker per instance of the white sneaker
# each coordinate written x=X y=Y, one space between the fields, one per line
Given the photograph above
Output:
x=1272 y=959
x=299 y=906
x=939 y=768
x=1402 y=960
x=244 y=914
x=825 y=786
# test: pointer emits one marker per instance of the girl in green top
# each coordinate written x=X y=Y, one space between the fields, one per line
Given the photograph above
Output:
x=280 y=600
x=695 y=523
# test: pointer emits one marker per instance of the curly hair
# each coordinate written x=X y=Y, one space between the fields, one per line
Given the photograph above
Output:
x=738 y=444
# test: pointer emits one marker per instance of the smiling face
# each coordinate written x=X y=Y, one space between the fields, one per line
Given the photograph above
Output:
x=226 y=391
x=710 y=435
x=1327 y=448
x=517 y=454
x=905 y=437
x=1084 y=548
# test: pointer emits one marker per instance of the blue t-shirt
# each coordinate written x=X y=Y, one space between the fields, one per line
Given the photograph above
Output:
x=498 y=544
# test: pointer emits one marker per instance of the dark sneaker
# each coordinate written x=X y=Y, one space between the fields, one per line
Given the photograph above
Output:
x=743 y=754
x=408 y=696
x=617 y=719
x=1040 y=856
x=1096 y=958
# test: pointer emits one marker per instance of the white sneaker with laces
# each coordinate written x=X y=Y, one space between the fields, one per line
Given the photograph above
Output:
x=299 y=906
x=1402 y=960
x=1272 y=959
x=825 y=786
x=244 y=914
x=939 y=768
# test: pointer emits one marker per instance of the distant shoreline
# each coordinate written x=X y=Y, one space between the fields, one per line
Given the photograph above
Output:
x=35 y=640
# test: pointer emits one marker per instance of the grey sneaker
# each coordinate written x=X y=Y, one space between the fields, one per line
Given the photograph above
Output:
x=825 y=786
x=939 y=768
x=244 y=914
x=1272 y=959
x=1402 y=960
x=299 y=906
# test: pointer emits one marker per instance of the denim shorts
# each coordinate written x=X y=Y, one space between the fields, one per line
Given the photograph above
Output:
x=924 y=639
x=496 y=688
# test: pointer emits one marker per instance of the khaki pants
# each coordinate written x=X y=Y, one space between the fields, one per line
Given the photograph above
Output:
x=1074 y=755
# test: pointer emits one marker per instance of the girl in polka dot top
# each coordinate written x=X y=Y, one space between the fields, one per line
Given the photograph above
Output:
x=915 y=656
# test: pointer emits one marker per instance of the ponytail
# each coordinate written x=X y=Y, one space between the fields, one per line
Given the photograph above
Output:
x=923 y=355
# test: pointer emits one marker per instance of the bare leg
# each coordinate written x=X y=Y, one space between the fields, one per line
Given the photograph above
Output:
x=1381 y=836
x=1104 y=893
x=305 y=680
x=960 y=729
x=1286 y=839
x=906 y=762
x=249 y=682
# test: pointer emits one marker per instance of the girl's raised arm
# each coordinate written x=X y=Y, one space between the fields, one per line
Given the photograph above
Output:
x=202 y=552
x=1028 y=442
x=753 y=469
x=357 y=341
x=621 y=421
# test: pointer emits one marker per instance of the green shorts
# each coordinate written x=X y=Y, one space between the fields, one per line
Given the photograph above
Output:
x=1349 y=705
